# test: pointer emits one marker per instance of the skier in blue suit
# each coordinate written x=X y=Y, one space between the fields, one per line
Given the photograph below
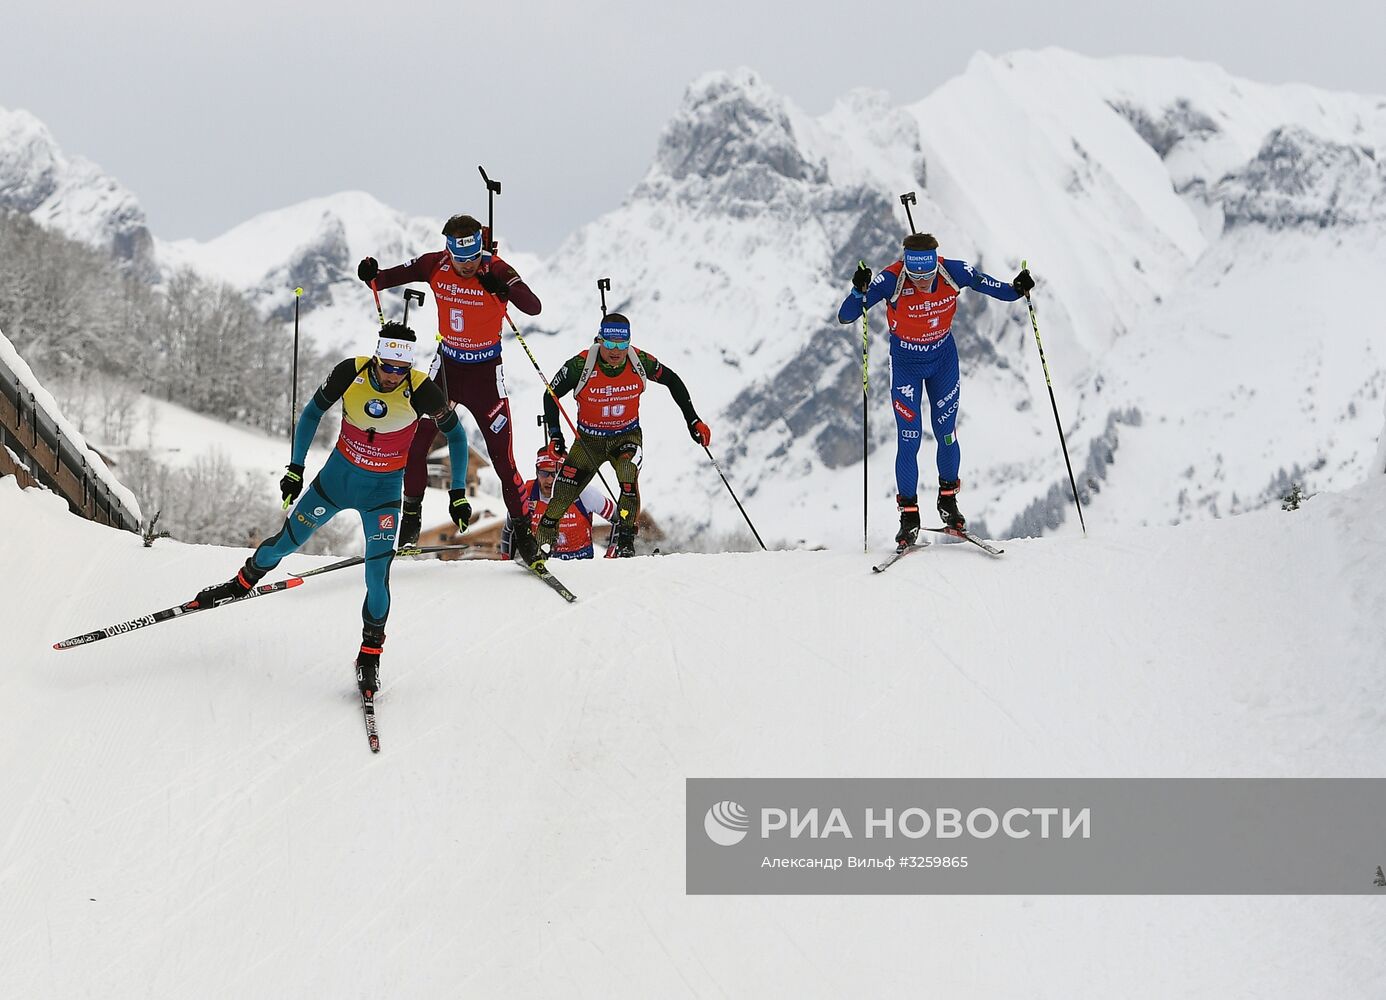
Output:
x=921 y=294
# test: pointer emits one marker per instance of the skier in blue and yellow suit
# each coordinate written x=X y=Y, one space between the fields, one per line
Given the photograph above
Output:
x=382 y=399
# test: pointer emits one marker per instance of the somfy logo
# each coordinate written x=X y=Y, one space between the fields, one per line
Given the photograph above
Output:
x=726 y=823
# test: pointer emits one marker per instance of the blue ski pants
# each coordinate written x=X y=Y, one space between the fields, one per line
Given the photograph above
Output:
x=920 y=374
x=343 y=486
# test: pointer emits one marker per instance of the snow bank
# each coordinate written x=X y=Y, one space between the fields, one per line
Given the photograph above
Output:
x=191 y=810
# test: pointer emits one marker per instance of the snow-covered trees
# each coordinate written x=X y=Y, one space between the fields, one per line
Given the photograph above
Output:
x=98 y=336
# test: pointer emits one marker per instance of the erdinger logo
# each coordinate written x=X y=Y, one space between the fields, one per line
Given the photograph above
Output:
x=376 y=408
x=726 y=823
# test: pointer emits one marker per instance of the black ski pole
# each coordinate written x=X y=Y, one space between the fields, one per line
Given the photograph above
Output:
x=411 y=294
x=293 y=373
x=577 y=438
x=907 y=199
x=379 y=311
x=603 y=286
x=493 y=188
x=734 y=497
x=1034 y=322
x=865 y=420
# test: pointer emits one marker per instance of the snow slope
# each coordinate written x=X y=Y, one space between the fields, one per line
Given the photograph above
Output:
x=191 y=809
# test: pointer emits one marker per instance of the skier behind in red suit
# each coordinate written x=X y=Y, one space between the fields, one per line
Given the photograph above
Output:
x=472 y=289
x=575 y=528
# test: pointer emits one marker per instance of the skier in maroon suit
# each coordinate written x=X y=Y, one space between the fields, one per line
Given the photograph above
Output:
x=472 y=289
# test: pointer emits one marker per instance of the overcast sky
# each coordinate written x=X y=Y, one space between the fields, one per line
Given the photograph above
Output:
x=212 y=113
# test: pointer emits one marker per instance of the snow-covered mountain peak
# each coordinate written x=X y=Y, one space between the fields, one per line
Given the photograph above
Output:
x=734 y=139
x=69 y=194
x=314 y=243
x=29 y=161
x=337 y=226
x=1312 y=151
x=1298 y=178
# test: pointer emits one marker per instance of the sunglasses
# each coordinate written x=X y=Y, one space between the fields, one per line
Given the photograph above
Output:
x=615 y=345
x=392 y=369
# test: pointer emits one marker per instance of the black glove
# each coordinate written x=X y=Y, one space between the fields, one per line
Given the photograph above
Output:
x=459 y=509
x=495 y=284
x=292 y=484
x=1023 y=282
x=557 y=447
x=861 y=278
x=367 y=269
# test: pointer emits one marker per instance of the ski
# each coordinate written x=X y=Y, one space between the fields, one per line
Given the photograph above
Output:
x=168 y=614
x=897 y=555
x=368 y=709
x=968 y=536
x=543 y=573
x=411 y=550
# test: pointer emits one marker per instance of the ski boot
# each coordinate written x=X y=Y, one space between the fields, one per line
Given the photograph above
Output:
x=368 y=659
x=411 y=519
x=233 y=589
x=622 y=540
x=523 y=547
x=544 y=540
x=909 y=520
x=948 y=504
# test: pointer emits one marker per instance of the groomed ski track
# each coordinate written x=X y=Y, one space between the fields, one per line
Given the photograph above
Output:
x=192 y=810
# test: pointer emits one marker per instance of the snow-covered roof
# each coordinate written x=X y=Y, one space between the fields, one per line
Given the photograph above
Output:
x=14 y=367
